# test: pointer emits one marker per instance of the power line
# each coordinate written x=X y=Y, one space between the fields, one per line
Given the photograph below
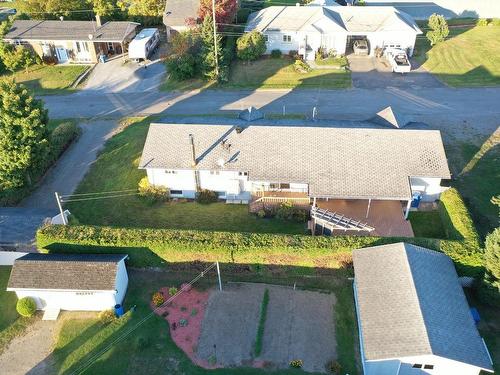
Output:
x=125 y=334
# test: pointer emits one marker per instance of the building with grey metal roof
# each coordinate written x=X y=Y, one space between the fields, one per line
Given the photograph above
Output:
x=335 y=163
x=413 y=315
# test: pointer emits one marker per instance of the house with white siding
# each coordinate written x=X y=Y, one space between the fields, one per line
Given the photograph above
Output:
x=305 y=29
x=413 y=317
x=317 y=165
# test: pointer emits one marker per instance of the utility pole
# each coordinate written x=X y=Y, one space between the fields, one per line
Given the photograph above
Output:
x=215 y=41
x=59 y=204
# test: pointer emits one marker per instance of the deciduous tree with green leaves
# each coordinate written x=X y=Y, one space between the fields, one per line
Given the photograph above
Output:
x=143 y=8
x=250 y=46
x=438 y=29
x=23 y=135
x=53 y=9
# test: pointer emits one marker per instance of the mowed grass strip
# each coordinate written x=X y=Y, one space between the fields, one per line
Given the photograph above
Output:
x=268 y=73
x=469 y=57
x=116 y=169
x=427 y=224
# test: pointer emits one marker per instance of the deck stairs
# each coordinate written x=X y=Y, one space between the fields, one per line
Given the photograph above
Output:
x=337 y=221
x=51 y=313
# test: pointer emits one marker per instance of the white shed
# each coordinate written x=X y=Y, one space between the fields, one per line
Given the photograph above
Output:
x=78 y=282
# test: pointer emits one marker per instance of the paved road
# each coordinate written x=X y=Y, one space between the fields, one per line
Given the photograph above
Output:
x=341 y=104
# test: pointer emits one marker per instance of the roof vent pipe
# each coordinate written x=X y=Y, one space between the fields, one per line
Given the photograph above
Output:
x=193 y=151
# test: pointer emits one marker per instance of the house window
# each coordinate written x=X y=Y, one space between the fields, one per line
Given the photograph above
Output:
x=215 y=172
x=287 y=38
x=266 y=38
x=170 y=172
x=221 y=194
x=429 y=367
x=110 y=46
x=84 y=293
x=243 y=173
x=176 y=192
x=284 y=186
x=417 y=365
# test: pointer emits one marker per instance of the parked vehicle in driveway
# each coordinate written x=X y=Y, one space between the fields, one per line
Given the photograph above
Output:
x=398 y=59
x=144 y=44
x=360 y=47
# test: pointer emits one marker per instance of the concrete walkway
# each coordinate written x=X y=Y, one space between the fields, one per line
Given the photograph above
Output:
x=26 y=354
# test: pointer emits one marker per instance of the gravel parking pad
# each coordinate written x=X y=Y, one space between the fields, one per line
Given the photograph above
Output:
x=299 y=325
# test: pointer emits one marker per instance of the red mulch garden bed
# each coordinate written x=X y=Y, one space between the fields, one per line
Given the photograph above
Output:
x=184 y=316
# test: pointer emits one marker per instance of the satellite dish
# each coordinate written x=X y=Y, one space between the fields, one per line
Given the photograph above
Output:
x=91 y=37
x=221 y=163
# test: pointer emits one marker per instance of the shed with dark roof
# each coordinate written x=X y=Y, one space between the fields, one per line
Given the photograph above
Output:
x=90 y=282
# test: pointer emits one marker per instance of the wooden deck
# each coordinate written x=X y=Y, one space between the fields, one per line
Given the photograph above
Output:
x=385 y=216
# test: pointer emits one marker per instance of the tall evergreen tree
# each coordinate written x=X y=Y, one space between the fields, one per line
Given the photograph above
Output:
x=23 y=135
x=209 y=51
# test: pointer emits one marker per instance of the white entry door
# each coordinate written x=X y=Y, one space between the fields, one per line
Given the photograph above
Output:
x=82 y=52
x=62 y=55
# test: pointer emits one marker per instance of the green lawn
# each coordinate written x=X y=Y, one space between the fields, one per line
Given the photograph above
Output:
x=271 y=73
x=469 y=57
x=11 y=325
x=116 y=169
x=80 y=339
x=49 y=79
x=427 y=224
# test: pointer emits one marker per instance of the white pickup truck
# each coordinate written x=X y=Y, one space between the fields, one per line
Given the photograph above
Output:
x=398 y=59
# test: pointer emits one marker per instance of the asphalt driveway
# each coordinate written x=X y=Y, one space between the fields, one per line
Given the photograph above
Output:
x=116 y=76
x=371 y=73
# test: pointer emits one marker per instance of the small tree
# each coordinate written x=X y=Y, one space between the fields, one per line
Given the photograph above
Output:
x=208 y=50
x=225 y=10
x=24 y=142
x=250 y=46
x=26 y=307
x=438 y=29
x=490 y=290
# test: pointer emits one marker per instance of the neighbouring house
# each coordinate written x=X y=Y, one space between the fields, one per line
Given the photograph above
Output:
x=5 y=13
x=178 y=14
x=338 y=169
x=413 y=316
x=79 y=282
x=306 y=29
x=72 y=41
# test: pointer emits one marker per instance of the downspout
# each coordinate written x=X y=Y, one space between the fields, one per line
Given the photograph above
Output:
x=194 y=164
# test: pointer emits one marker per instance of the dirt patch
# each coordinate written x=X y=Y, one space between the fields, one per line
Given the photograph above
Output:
x=299 y=325
x=184 y=316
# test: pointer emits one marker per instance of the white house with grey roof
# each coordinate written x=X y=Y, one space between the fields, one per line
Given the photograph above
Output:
x=412 y=313
x=296 y=162
x=80 y=282
x=307 y=28
x=72 y=41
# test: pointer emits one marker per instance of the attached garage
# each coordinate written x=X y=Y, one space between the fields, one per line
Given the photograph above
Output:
x=75 y=282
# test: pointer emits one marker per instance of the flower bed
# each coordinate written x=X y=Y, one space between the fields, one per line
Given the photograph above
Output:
x=184 y=316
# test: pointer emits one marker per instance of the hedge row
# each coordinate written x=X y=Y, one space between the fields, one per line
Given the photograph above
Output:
x=156 y=247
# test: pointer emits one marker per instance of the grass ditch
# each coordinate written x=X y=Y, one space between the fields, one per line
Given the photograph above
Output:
x=262 y=323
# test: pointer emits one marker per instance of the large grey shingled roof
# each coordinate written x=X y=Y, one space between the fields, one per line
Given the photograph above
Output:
x=65 y=271
x=336 y=162
x=114 y=31
x=326 y=19
x=410 y=303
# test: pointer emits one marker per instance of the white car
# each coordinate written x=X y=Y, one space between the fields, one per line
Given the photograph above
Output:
x=398 y=59
x=360 y=47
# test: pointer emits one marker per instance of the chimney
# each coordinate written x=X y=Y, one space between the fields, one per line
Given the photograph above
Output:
x=193 y=151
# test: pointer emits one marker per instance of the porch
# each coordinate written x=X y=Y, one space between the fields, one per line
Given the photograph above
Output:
x=385 y=216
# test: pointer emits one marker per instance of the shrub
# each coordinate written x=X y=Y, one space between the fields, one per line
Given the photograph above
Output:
x=438 y=29
x=26 y=307
x=182 y=67
x=242 y=15
x=293 y=54
x=296 y=363
x=206 y=196
x=334 y=367
x=250 y=46
x=261 y=213
x=301 y=67
x=287 y=211
x=482 y=22
x=276 y=53
x=490 y=288
x=61 y=137
x=158 y=299
x=495 y=22
x=172 y=291
x=194 y=311
x=107 y=316
x=17 y=57
x=151 y=193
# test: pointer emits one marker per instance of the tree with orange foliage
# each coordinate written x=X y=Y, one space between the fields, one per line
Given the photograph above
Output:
x=225 y=10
